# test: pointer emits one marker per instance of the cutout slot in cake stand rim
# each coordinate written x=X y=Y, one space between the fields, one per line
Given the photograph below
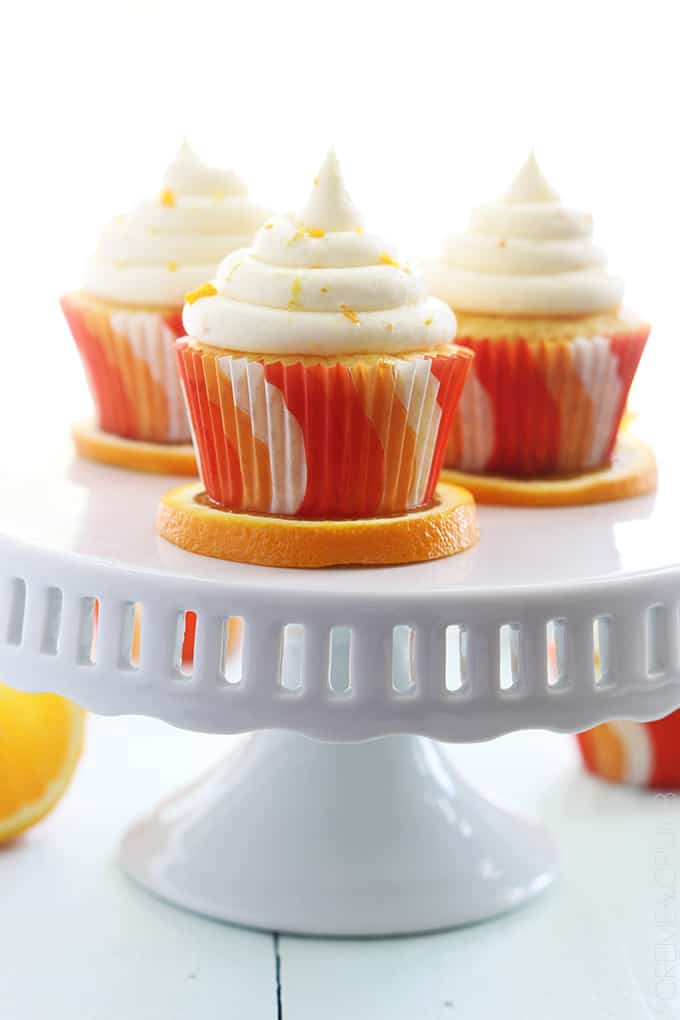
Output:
x=362 y=867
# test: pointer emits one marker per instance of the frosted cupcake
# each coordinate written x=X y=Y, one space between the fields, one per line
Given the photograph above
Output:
x=129 y=314
x=555 y=353
x=320 y=378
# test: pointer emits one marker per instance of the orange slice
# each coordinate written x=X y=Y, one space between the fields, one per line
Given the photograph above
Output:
x=449 y=526
x=41 y=738
x=154 y=458
x=631 y=473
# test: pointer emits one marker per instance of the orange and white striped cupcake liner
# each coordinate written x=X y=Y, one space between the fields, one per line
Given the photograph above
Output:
x=536 y=408
x=635 y=753
x=129 y=359
x=313 y=438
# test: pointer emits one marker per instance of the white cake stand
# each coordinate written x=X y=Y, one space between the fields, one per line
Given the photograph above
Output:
x=311 y=825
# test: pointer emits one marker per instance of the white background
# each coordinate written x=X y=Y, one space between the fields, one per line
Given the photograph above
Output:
x=431 y=105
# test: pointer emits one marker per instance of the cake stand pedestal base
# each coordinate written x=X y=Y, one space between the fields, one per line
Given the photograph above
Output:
x=376 y=838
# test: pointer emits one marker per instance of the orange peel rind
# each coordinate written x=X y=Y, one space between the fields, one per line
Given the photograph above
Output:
x=447 y=527
x=134 y=454
x=631 y=473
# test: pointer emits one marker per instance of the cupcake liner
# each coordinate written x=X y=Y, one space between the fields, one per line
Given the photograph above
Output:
x=350 y=439
x=634 y=753
x=130 y=365
x=535 y=408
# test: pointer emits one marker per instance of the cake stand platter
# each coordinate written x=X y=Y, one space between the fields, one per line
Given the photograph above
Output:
x=341 y=814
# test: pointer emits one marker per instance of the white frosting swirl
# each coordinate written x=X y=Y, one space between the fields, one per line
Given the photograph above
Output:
x=526 y=254
x=315 y=283
x=169 y=244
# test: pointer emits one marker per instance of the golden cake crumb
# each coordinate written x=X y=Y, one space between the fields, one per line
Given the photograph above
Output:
x=205 y=290
x=389 y=327
x=387 y=260
x=167 y=197
x=172 y=266
x=502 y=243
x=428 y=322
x=219 y=196
x=268 y=226
x=296 y=236
x=324 y=290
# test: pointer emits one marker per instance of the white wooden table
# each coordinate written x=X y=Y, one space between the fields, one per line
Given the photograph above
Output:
x=79 y=939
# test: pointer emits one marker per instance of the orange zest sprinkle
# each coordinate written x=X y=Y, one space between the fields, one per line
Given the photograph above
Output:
x=502 y=243
x=406 y=269
x=389 y=327
x=167 y=197
x=387 y=260
x=295 y=292
x=359 y=230
x=119 y=219
x=428 y=322
x=315 y=232
x=268 y=226
x=172 y=266
x=316 y=182
x=349 y=314
x=205 y=290
x=296 y=236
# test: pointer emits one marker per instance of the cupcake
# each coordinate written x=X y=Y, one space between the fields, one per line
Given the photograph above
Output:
x=129 y=314
x=635 y=753
x=320 y=378
x=555 y=353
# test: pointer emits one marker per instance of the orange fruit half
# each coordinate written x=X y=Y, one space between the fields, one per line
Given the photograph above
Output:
x=41 y=739
x=154 y=458
x=448 y=526
x=631 y=473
